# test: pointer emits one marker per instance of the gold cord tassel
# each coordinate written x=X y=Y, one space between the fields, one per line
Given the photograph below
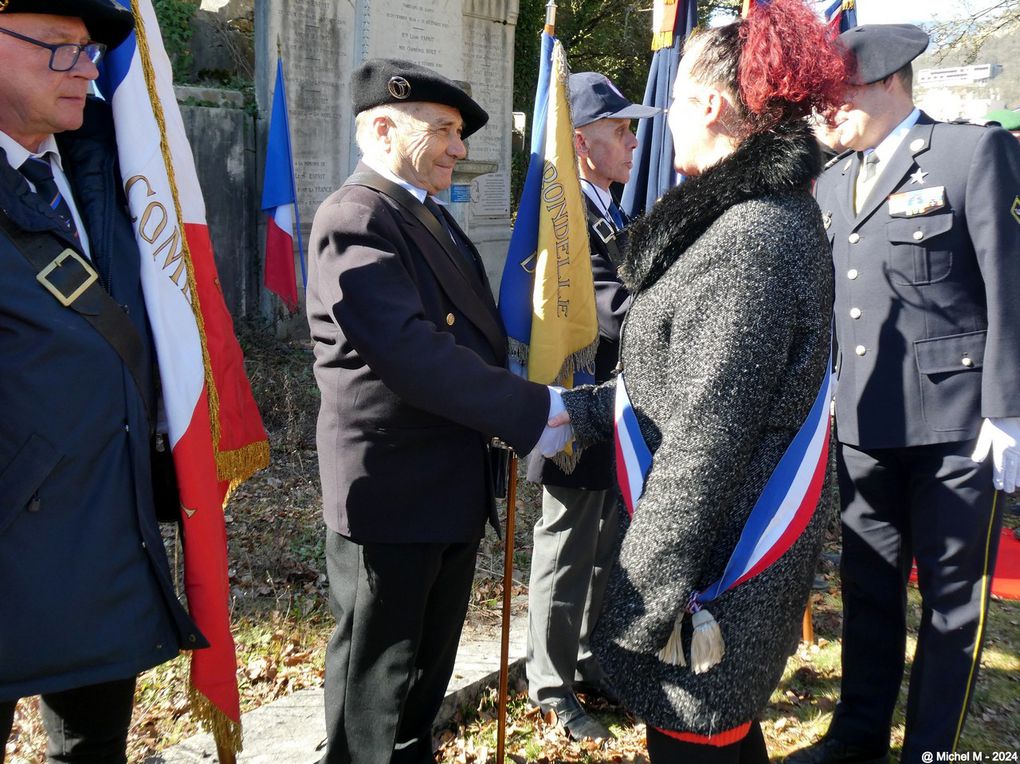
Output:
x=707 y=646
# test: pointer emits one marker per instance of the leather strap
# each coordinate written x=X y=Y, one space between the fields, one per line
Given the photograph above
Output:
x=601 y=228
x=74 y=283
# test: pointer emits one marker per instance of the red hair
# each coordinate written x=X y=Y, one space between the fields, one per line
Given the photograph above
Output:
x=789 y=63
x=781 y=63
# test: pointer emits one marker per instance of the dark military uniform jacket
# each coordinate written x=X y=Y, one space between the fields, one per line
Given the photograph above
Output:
x=927 y=308
x=409 y=358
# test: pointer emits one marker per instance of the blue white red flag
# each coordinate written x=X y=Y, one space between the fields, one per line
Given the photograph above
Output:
x=840 y=15
x=216 y=434
x=633 y=459
x=279 y=201
x=785 y=505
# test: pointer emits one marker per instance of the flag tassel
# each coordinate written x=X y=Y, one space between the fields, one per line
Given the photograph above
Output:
x=240 y=464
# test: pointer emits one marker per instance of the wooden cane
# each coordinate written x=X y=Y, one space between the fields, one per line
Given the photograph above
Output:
x=508 y=573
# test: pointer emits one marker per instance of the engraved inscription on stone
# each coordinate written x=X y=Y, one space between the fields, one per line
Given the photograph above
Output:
x=427 y=32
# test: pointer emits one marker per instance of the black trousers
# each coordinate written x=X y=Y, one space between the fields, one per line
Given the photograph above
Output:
x=399 y=610
x=86 y=725
x=663 y=749
x=935 y=505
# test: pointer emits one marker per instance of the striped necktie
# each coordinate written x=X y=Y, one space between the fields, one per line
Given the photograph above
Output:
x=38 y=171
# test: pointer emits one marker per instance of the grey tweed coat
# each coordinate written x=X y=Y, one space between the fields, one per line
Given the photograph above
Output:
x=724 y=350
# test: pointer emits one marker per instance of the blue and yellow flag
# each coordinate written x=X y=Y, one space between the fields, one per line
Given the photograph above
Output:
x=547 y=295
x=840 y=15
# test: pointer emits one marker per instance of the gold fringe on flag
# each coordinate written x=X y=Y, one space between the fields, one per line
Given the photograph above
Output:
x=663 y=23
x=224 y=730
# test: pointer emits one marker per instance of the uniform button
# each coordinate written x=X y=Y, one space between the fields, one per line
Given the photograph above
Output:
x=852 y=274
x=144 y=546
x=855 y=312
x=450 y=319
x=968 y=362
x=918 y=235
x=854 y=238
x=860 y=350
x=127 y=428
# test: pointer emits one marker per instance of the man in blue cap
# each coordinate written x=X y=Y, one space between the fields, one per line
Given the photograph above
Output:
x=87 y=598
x=574 y=539
x=924 y=222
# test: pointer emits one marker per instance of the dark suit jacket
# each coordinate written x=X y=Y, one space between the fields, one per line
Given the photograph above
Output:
x=927 y=309
x=594 y=469
x=409 y=357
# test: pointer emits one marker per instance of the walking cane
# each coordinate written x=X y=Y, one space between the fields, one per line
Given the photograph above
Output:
x=508 y=571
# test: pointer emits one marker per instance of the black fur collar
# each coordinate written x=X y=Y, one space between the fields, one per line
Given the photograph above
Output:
x=786 y=159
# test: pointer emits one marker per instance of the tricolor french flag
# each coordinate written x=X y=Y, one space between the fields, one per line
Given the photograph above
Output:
x=279 y=201
x=216 y=434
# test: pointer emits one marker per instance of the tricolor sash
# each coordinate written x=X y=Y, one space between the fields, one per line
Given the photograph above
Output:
x=781 y=513
x=633 y=459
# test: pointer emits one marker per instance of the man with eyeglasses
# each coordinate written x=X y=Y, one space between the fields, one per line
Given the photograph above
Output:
x=86 y=596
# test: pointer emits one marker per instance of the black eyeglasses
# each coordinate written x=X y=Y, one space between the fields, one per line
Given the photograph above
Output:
x=64 y=57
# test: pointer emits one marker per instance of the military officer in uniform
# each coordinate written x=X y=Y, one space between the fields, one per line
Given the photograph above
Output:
x=574 y=539
x=410 y=357
x=924 y=221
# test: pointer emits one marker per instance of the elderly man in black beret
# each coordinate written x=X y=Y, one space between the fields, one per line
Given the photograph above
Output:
x=87 y=599
x=409 y=356
x=924 y=221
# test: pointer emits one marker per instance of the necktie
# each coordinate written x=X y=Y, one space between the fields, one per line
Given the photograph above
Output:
x=616 y=215
x=38 y=171
x=866 y=180
x=432 y=207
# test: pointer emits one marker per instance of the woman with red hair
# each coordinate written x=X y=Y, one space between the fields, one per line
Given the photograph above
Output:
x=724 y=352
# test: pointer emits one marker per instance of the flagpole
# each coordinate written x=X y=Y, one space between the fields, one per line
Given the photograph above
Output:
x=508 y=572
x=550 y=18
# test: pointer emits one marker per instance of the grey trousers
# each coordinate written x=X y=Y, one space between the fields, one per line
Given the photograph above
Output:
x=574 y=549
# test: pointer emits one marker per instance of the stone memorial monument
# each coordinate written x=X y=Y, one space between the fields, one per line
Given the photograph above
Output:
x=322 y=41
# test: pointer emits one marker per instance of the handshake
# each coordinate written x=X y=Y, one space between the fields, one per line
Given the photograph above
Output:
x=558 y=433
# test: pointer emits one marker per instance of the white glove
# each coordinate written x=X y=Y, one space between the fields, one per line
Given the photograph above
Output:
x=1002 y=438
x=555 y=437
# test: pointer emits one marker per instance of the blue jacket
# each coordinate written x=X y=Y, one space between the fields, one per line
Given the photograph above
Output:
x=86 y=590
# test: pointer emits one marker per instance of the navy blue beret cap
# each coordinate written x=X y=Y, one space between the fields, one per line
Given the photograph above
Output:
x=883 y=49
x=108 y=21
x=593 y=96
x=381 y=81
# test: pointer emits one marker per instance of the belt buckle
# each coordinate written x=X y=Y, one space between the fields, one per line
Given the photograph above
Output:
x=57 y=262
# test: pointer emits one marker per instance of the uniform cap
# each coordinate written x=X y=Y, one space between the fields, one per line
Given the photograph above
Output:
x=593 y=96
x=108 y=21
x=381 y=81
x=883 y=49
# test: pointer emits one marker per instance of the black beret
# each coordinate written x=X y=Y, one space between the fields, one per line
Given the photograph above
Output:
x=381 y=81
x=883 y=49
x=108 y=21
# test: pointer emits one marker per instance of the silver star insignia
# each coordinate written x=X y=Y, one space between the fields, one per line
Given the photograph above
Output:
x=918 y=177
